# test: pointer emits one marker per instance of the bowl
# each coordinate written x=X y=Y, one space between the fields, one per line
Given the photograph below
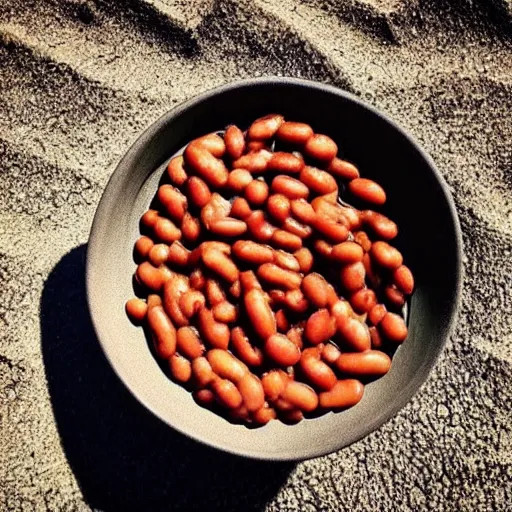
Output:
x=418 y=200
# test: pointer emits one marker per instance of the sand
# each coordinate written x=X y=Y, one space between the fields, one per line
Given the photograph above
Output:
x=79 y=80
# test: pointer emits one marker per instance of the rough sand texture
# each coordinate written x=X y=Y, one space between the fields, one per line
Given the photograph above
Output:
x=78 y=82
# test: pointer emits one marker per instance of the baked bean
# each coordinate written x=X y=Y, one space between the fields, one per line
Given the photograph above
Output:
x=163 y=332
x=393 y=296
x=286 y=240
x=320 y=326
x=361 y=238
x=376 y=314
x=295 y=336
x=323 y=248
x=305 y=259
x=235 y=289
x=303 y=211
x=228 y=227
x=154 y=300
x=251 y=389
x=363 y=300
x=240 y=209
x=174 y=202
x=279 y=277
x=347 y=252
x=198 y=192
x=393 y=327
x=301 y=396
x=342 y=169
x=173 y=289
x=215 y=333
x=181 y=369
x=158 y=254
x=238 y=179
x=136 y=310
x=371 y=275
x=403 y=279
x=214 y=292
x=190 y=228
x=291 y=416
x=314 y=287
x=297 y=228
x=371 y=363
x=190 y=302
x=202 y=371
x=149 y=276
x=204 y=397
x=352 y=276
x=225 y=312
x=166 y=231
x=166 y=273
x=197 y=279
x=345 y=393
x=333 y=231
x=289 y=187
x=281 y=350
x=256 y=192
x=332 y=296
x=367 y=190
x=278 y=206
x=282 y=321
x=188 y=343
x=235 y=142
x=385 y=255
x=260 y=314
x=265 y=127
x=209 y=168
x=221 y=265
x=217 y=208
x=376 y=338
x=330 y=353
x=178 y=254
x=316 y=371
x=226 y=393
x=319 y=182
x=286 y=260
x=277 y=298
x=249 y=354
x=254 y=162
x=320 y=147
x=326 y=209
x=352 y=216
x=380 y=225
x=273 y=383
x=285 y=163
x=263 y=415
x=295 y=301
x=292 y=132
x=259 y=228
x=252 y=252
x=176 y=171
x=256 y=145
x=240 y=414
x=142 y=247
x=213 y=143
x=354 y=333
x=226 y=365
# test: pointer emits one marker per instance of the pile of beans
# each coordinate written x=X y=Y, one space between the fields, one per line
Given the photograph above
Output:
x=266 y=293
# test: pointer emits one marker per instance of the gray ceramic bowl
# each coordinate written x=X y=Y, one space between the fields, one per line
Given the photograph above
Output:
x=418 y=200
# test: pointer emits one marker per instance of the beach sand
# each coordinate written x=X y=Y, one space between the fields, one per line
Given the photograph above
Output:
x=79 y=80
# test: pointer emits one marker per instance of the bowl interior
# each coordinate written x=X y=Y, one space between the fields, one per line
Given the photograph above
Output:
x=417 y=200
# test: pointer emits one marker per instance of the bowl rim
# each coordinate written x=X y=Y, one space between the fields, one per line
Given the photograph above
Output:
x=153 y=129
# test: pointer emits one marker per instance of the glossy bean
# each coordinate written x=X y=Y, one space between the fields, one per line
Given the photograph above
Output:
x=252 y=392
x=363 y=300
x=259 y=313
x=333 y=231
x=238 y=180
x=361 y=238
x=352 y=276
x=354 y=333
x=174 y=202
x=295 y=133
x=314 y=287
x=256 y=192
x=226 y=393
x=142 y=247
x=295 y=335
x=204 y=397
x=190 y=228
x=180 y=367
x=249 y=354
x=172 y=292
x=393 y=296
x=149 y=276
x=136 y=309
x=249 y=281
x=380 y=225
x=289 y=187
x=216 y=334
x=176 y=171
x=158 y=254
x=258 y=226
x=190 y=302
x=385 y=255
x=320 y=147
x=163 y=332
x=367 y=190
x=343 y=169
x=286 y=163
x=318 y=181
x=347 y=252
x=214 y=292
x=286 y=260
x=278 y=206
x=320 y=327
x=303 y=211
x=263 y=415
x=198 y=192
x=286 y=240
x=345 y=393
x=240 y=209
x=225 y=312
x=202 y=371
x=209 y=168
x=281 y=350
x=330 y=353
x=265 y=127
x=221 y=264
x=188 y=343
x=393 y=327
x=252 y=252
x=279 y=277
x=166 y=231
x=301 y=396
x=228 y=227
x=295 y=301
x=297 y=228
x=305 y=259
x=226 y=365
x=317 y=372
x=213 y=143
x=376 y=314
x=372 y=363
x=235 y=142
x=323 y=248
x=403 y=279
x=274 y=383
x=254 y=162
x=197 y=279
x=177 y=254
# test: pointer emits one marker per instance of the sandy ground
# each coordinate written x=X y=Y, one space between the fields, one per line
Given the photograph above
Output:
x=79 y=81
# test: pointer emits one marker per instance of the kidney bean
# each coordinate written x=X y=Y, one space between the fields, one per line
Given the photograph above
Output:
x=345 y=393
x=228 y=227
x=342 y=169
x=249 y=354
x=235 y=142
x=361 y=238
x=328 y=210
x=281 y=350
x=305 y=259
x=323 y=248
x=300 y=396
x=332 y=296
x=225 y=312
x=295 y=336
x=213 y=143
x=286 y=260
x=215 y=245
x=256 y=192
x=249 y=281
x=214 y=292
x=376 y=314
x=204 y=397
x=393 y=296
x=198 y=192
x=376 y=338
x=371 y=363
x=177 y=254
x=221 y=265
x=202 y=371
x=367 y=190
x=347 y=252
x=285 y=163
x=163 y=332
x=190 y=302
x=252 y=252
x=173 y=289
x=315 y=370
x=295 y=301
x=385 y=255
x=320 y=147
x=320 y=327
x=403 y=279
x=254 y=162
x=251 y=389
x=154 y=300
x=176 y=171
x=256 y=145
x=136 y=310
x=279 y=277
x=292 y=132
x=158 y=254
x=277 y=298
x=214 y=333
x=319 y=182
x=289 y=187
x=314 y=287
x=380 y=225
x=190 y=228
x=166 y=231
x=239 y=415
x=235 y=289
x=226 y=365
x=166 y=273
x=217 y=208
x=149 y=276
x=238 y=180
x=352 y=276
x=181 y=369
x=274 y=383
x=142 y=247
x=278 y=206
x=363 y=300
x=209 y=168
x=286 y=240
x=371 y=275
x=260 y=314
x=303 y=211
x=334 y=231
x=282 y=321
x=265 y=127
x=263 y=415
x=260 y=229
x=240 y=209
x=291 y=416
x=226 y=393
x=188 y=343
x=330 y=353
x=174 y=202
x=354 y=333
x=296 y=228
x=393 y=327
x=197 y=279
